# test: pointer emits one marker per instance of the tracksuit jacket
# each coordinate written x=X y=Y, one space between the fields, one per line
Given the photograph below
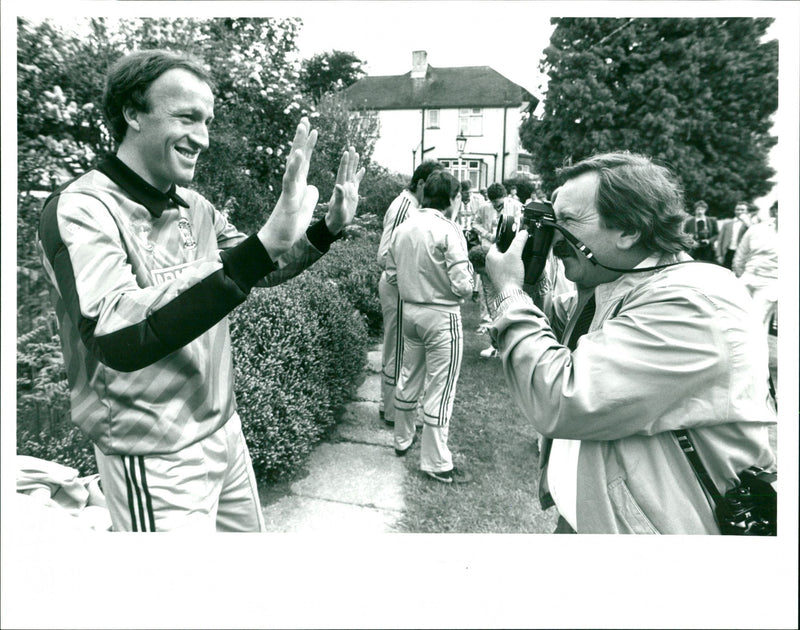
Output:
x=143 y=282
x=669 y=349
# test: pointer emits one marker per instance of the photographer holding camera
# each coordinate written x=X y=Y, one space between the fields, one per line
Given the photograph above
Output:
x=666 y=344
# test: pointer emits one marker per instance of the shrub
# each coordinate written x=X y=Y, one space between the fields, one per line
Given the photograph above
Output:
x=298 y=348
x=378 y=189
x=352 y=263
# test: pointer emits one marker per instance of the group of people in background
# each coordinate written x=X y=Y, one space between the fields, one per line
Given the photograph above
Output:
x=747 y=245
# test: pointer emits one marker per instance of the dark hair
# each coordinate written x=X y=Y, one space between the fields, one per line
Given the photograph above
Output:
x=131 y=76
x=496 y=191
x=701 y=204
x=440 y=188
x=422 y=172
x=636 y=194
x=466 y=185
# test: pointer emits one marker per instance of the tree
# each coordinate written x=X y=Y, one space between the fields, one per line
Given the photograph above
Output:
x=329 y=72
x=695 y=94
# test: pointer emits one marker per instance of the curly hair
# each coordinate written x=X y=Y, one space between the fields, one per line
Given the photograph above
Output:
x=636 y=194
x=132 y=75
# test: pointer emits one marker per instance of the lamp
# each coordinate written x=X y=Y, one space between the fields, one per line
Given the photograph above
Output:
x=461 y=143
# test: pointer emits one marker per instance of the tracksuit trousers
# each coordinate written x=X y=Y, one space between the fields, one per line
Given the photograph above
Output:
x=432 y=348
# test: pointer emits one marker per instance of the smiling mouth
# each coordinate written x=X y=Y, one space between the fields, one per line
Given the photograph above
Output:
x=189 y=155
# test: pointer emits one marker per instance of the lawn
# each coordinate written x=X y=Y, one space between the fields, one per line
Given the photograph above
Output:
x=490 y=439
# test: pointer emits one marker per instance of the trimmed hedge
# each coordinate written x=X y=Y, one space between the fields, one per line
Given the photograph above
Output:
x=353 y=264
x=298 y=350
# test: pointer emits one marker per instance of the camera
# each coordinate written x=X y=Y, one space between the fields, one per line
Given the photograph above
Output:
x=539 y=220
x=749 y=509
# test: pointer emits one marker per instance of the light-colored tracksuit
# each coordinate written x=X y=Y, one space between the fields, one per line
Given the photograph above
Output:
x=428 y=262
x=403 y=206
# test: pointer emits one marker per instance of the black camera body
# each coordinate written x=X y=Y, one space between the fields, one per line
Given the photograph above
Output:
x=749 y=509
x=539 y=220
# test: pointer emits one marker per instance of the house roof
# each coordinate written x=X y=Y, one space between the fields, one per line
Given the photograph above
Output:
x=472 y=86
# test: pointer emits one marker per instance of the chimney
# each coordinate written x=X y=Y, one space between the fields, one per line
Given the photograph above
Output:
x=419 y=64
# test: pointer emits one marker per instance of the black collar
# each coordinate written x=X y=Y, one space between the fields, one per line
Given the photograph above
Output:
x=138 y=189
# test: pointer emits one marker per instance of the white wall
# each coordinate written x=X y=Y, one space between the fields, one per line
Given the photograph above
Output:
x=401 y=131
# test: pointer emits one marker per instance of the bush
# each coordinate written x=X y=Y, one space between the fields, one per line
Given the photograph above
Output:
x=353 y=264
x=378 y=189
x=298 y=348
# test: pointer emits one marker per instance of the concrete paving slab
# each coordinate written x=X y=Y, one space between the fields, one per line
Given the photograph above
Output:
x=370 y=389
x=294 y=514
x=361 y=474
x=374 y=359
x=360 y=423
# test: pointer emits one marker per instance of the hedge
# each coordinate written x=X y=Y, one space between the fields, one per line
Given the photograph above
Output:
x=353 y=264
x=298 y=349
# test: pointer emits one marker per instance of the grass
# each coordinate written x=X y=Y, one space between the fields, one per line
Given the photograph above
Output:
x=490 y=439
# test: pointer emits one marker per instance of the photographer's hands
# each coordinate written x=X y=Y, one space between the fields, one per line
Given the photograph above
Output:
x=506 y=269
x=292 y=213
x=344 y=198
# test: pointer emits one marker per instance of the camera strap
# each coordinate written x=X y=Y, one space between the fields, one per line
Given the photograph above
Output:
x=699 y=468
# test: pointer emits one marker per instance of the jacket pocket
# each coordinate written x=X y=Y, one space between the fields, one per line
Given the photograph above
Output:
x=628 y=511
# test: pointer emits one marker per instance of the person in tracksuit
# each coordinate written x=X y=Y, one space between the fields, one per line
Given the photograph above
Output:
x=428 y=262
x=403 y=206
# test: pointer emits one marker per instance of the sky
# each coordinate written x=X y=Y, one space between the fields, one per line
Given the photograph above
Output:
x=509 y=37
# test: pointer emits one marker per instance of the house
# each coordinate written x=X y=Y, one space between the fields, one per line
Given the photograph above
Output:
x=422 y=113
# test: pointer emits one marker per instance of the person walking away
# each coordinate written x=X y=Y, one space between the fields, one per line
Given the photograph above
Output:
x=403 y=206
x=654 y=343
x=144 y=272
x=428 y=262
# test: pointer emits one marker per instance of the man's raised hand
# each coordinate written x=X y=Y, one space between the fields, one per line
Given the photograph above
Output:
x=344 y=198
x=292 y=213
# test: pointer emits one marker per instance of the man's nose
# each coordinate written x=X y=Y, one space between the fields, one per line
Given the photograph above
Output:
x=199 y=135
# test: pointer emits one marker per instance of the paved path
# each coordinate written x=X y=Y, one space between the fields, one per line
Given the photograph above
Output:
x=355 y=481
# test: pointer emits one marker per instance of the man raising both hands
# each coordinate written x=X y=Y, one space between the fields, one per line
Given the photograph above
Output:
x=144 y=273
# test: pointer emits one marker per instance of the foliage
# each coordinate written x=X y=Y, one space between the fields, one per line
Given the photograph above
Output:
x=339 y=128
x=329 y=72
x=297 y=350
x=378 y=189
x=43 y=426
x=352 y=264
x=696 y=94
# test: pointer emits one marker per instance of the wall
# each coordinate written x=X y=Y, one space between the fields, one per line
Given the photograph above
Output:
x=401 y=131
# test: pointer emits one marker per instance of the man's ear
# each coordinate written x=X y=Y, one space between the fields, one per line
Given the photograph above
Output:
x=131 y=115
x=628 y=239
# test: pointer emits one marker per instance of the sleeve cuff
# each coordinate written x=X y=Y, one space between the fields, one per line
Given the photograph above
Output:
x=320 y=236
x=247 y=263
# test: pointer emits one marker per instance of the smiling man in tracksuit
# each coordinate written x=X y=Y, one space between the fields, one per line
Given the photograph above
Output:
x=144 y=273
x=429 y=264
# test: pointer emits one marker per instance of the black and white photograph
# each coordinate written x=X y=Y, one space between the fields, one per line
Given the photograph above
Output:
x=437 y=305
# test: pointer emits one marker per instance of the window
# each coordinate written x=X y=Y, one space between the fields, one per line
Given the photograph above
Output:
x=470 y=121
x=433 y=119
x=469 y=169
